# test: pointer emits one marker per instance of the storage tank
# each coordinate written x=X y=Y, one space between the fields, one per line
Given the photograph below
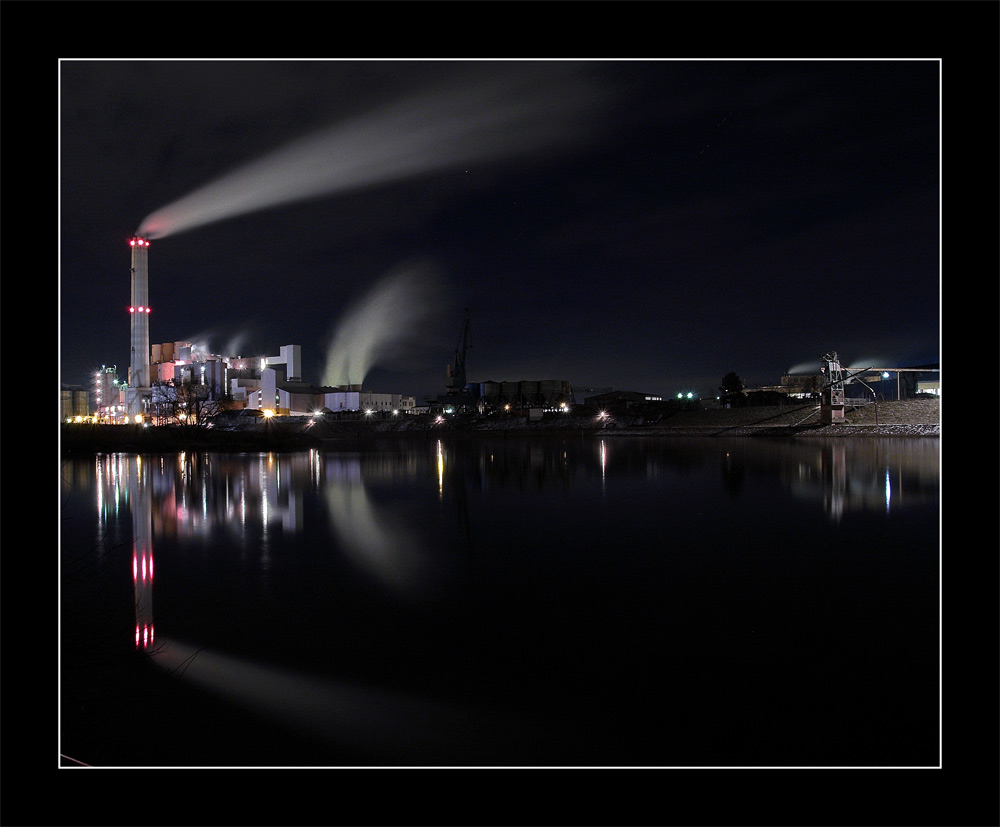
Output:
x=550 y=391
x=529 y=390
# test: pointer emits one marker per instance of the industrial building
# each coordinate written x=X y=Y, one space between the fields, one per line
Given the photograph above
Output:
x=621 y=401
x=491 y=397
x=169 y=379
x=282 y=390
x=271 y=383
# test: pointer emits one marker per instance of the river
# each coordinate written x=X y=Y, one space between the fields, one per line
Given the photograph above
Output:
x=577 y=601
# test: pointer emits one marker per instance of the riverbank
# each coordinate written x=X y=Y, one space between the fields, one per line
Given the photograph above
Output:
x=906 y=418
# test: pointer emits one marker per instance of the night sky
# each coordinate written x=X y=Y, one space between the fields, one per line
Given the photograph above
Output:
x=646 y=225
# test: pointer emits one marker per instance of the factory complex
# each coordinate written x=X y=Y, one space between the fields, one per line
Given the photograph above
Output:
x=176 y=382
x=190 y=383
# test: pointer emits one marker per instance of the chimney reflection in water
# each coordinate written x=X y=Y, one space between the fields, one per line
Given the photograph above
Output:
x=142 y=556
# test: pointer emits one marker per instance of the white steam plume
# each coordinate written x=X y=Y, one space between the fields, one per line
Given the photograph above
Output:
x=805 y=367
x=204 y=344
x=431 y=132
x=388 y=319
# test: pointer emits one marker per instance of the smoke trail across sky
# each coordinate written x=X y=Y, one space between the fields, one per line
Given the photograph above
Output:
x=430 y=132
x=382 y=324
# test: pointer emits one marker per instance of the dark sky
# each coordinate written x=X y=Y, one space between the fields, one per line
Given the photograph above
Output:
x=646 y=225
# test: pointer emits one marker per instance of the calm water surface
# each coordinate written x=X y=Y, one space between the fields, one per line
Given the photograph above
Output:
x=555 y=601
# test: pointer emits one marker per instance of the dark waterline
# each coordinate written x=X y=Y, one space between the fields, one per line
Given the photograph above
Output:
x=578 y=602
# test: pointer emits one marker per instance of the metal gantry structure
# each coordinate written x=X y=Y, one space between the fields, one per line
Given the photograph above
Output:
x=832 y=397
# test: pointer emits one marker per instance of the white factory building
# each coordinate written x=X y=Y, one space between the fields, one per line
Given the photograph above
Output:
x=262 y=383
x=302 y=399
x=282 y=390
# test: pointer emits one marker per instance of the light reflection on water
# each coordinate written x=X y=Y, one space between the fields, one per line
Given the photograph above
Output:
x=528 y=580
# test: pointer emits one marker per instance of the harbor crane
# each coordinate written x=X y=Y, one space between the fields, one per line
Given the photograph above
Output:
x=455 y=379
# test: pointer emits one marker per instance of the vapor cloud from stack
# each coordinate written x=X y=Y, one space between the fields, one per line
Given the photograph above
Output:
x=383 y=323
x=431 y=132
x=206 y=342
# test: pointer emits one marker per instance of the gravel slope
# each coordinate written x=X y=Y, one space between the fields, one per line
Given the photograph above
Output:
x=909 y=417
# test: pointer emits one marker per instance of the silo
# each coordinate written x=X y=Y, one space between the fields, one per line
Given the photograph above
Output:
x=167 y=350
x=490 y=392
x=157 y=354
x=549 y=390
x=529 y=391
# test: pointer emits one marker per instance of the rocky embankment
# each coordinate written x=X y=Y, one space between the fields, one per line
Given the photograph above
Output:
x=909 y=417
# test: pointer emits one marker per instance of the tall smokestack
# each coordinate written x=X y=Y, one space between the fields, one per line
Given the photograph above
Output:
x=138 y=372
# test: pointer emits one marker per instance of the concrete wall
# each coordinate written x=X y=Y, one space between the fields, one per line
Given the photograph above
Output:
x=291 y=357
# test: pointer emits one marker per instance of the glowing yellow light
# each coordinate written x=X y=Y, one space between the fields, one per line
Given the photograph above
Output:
x=268 y=413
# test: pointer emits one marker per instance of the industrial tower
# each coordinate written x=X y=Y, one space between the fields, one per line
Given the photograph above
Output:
x=832 y=402
x=138 y=372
